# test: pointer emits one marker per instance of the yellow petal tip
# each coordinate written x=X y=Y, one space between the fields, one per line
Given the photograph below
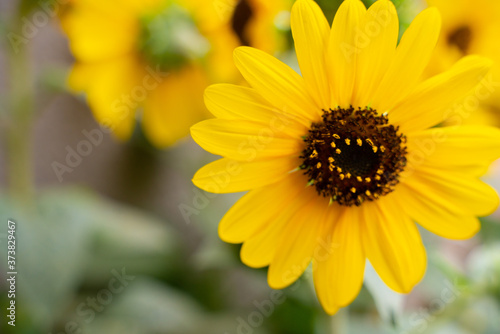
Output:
x=433 y=13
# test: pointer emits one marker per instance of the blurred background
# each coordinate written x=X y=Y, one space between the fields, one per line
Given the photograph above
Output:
x=96 y=168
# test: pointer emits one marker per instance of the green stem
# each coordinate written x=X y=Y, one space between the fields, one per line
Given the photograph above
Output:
x=339 y=322
x=21 y=107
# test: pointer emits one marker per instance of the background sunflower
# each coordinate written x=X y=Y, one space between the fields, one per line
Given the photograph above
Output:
x=469 y=28
x=158 y=56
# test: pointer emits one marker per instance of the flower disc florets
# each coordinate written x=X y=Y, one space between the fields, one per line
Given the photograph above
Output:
x=353 y=155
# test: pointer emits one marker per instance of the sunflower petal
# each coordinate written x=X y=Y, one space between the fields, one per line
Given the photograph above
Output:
x=343 y=51
x=100 y=33
x=446 y=147
x=298 y=242
x=311 y=32
x=338 y=269
x=229 y=176
x=468 y=193
x=412 y=56
x=427 y=104
x=393 y=245
x=252 y=212
x=260 y=249
x=441 y=217
x=233 y=102
x=378 y=36
x=107 y=85
x=169 y=109
x=244 y=141
x=276 y=82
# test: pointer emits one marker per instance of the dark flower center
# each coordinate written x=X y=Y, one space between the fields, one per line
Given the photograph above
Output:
x=353 y=155
x=241 y=16
x=461 y=38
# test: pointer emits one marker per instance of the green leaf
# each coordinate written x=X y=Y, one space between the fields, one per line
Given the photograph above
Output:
x=73 y=236
x=147 y=306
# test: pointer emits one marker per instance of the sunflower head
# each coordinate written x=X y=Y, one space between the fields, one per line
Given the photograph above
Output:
x=262 y=24
x=470 y=27
x=144 y=61
x=467 y=25
x=341 y=161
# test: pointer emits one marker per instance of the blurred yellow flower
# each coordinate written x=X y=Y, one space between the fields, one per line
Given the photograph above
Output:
x=156 y=56
x=470 y=27
x=230 y=23
x=342 y=160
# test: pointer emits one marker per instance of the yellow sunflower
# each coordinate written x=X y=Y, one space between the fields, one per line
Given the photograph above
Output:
x=343 y=160
x=231 y=23
x=470 y=27
x=156 y=56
